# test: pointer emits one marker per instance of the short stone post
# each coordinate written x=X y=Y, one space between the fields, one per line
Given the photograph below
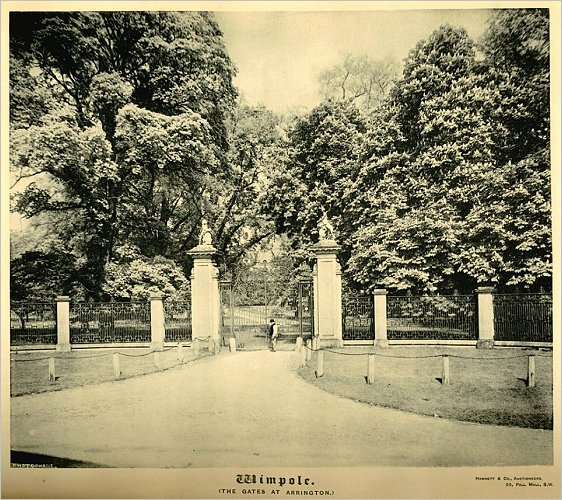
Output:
x=299 y=344
x=180 y=352
x=116 y=365
x=157 y=328
x=302 y=356
x=52 y=371
x=232 y=344
x=205 y=295
x=320 y=364
x=63 y=323
x=379 y=298
x=485 y=317
x=371 y=369
x=445 y=374
x=531 y=381
x=308 y=350
x=157 y=360
x=195 y=347
x=315 y=343
x=327 y=288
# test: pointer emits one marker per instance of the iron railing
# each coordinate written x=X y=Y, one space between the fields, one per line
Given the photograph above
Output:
x=98 y=322
x=523 y=317
x=440 y=317
x=177 y=320
x=358 y=317
x=304 y=308
x=517 y=317
x=33 y=323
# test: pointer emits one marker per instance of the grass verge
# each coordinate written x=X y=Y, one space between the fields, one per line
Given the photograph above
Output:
x=486 y=386
x=29 y=372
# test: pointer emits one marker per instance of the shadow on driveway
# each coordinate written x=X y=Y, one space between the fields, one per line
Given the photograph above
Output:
x=30 y=459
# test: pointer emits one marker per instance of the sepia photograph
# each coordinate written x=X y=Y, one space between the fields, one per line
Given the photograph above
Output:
x=280 y=249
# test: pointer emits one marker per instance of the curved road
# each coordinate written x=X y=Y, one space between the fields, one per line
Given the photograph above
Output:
x=251 y=409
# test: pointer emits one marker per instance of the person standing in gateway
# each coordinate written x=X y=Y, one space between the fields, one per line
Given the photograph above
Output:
x=273 y=334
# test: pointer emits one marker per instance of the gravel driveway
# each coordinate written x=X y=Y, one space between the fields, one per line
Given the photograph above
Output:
x=251 y=409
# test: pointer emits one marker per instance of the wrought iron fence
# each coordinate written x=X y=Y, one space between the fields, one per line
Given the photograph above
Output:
x=95 y=322
x=358 y=317
x=440 y=317
x=304 y=308
x=523 y=317
x=177 y=320
x=33 y=323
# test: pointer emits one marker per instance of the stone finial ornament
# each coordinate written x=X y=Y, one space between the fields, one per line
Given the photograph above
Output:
x=205 y=237
x=325 y=229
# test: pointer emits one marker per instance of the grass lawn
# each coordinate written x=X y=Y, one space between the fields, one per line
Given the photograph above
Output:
x=490 y=389
x=29 y=372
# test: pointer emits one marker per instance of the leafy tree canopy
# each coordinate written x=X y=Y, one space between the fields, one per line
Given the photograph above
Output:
x=125 y=133
x=321 y=162
x=127 y=130
x=445 y=185
x=449 y=204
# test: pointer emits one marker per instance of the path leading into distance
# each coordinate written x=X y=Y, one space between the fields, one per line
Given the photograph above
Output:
x=251 y=409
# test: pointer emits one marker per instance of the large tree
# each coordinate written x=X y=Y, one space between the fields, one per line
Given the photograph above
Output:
x=321 y=161
x=240 y=201
x=517 y=50
x=457 y=198
x=129 y=129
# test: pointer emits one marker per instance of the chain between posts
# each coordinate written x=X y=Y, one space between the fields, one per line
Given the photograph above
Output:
x=101 y=355
x=425 y=357
x=304 y=345
x=115 y=355
x=445 y=379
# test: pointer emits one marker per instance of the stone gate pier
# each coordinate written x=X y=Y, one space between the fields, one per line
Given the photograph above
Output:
x=205 y=295
x=327 y=289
